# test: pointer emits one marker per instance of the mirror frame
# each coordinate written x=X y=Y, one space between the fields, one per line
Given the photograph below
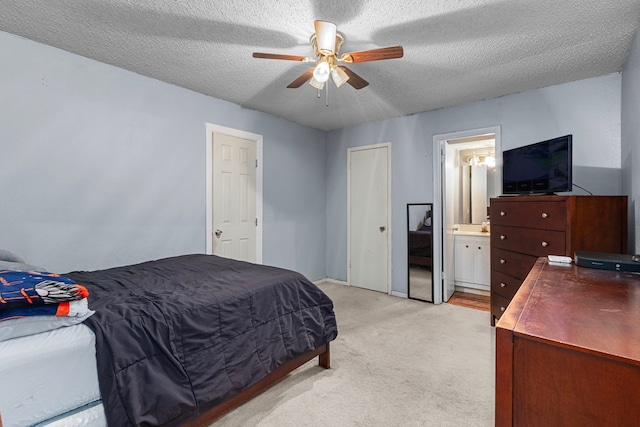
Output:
x=430 y=208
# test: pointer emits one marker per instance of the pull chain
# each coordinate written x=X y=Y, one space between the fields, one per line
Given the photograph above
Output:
x=327 y=94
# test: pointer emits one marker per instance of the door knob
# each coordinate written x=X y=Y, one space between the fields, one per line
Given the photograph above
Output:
x=218 y=232
x=382 y=228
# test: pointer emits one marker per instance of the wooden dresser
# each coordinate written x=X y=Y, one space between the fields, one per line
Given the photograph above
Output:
x=568 y=349
x=527 y=227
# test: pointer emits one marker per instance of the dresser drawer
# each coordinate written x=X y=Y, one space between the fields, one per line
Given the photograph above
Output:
x=512 y=263
x=503 y=284
x=498 y=305
x=529 y=241
x=541 y=215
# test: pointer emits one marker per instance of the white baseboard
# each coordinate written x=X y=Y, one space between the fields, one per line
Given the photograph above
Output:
x=399 y=294
x=327 y=280
x=343 y=283
x=472 y=290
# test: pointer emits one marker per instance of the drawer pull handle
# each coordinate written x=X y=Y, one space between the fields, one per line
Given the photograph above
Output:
x=503 y=237
x=545 y=244
x=503 y=261
x=502 y=309
x=502 y=213
x=479 y=247
x=503 y=285
x=544 y=215
x=466 y=246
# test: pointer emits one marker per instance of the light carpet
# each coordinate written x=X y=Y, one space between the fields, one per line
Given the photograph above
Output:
x=396 y=362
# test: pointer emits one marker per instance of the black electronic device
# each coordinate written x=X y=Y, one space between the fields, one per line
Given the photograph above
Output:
x=541 y=168
x=605 y=261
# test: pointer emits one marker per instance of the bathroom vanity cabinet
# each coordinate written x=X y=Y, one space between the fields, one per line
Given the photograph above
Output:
x=472 y=261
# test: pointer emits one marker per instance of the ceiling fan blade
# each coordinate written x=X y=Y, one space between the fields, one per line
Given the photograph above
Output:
x=354 y=80
x=391 y=52
x=285 y=57
x=305 y=77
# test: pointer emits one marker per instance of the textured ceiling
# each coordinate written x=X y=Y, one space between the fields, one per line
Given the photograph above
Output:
x=456 y=51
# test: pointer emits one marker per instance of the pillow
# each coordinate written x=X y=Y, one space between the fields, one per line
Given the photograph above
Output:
x=5 y=255
x=23 y=326
x=18 y=266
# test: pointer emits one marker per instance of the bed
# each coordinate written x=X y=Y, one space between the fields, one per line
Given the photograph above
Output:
x=177 y=341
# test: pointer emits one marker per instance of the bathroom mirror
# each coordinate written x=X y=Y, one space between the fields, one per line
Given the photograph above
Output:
x=476 y=175
x=419 y=249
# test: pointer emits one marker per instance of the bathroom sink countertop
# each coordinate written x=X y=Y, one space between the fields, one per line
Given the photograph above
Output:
x=471 y=233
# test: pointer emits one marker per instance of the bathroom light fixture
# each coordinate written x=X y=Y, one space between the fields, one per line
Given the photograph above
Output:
x=482 y=159
x=490 y=161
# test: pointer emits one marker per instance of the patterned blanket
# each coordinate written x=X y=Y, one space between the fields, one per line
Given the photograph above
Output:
x=29 y=293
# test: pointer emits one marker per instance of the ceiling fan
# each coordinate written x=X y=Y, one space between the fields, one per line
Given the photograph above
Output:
x=326 y=44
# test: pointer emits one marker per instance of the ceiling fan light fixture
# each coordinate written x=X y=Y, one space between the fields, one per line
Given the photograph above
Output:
x=325 y=37
x=321 y=72
x=315 y=83
x=339 y=76
x=326 y=43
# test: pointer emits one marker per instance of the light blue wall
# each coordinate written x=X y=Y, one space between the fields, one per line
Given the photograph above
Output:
x=102 y=167
x=589 y=109
x=631 y=141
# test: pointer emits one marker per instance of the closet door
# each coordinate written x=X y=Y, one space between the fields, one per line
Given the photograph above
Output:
x=368 y=225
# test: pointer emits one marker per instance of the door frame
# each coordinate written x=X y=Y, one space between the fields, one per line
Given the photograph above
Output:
x=210 y=130
x=439 y=157
x=389 y=221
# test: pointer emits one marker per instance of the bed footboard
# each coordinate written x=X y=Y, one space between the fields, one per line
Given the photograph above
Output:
x=217 y=411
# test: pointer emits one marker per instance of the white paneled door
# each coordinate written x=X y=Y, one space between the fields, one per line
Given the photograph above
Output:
x=450 y=181
x=234 y=197
x=369 y=234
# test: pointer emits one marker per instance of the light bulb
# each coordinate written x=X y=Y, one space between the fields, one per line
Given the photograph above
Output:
x=321 y=72
x=490 y=161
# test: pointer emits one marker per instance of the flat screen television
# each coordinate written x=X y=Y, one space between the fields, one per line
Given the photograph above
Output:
x=540 y=168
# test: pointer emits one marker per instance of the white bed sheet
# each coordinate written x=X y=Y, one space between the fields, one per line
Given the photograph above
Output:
x=91 y=415
x=47 y=374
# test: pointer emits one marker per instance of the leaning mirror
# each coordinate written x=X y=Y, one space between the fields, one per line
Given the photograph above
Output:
x=419 y=217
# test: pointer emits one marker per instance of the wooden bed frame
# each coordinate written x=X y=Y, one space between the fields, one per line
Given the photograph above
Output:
x=207 y=417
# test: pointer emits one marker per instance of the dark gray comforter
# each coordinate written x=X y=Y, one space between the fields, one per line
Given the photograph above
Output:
x=179 y=335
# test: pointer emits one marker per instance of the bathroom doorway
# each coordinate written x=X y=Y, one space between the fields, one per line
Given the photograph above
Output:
x=463 y=203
